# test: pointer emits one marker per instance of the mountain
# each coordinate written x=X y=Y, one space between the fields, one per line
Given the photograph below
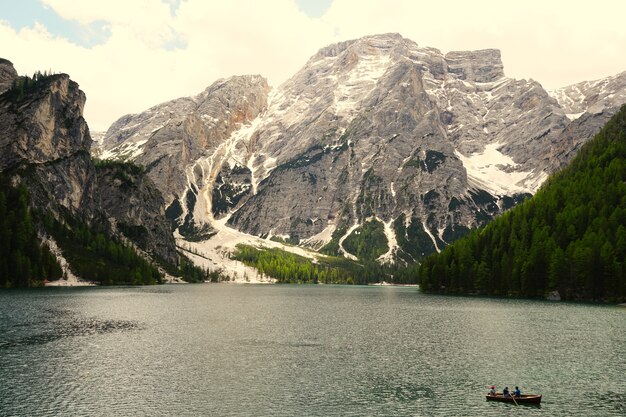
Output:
x=590 y=105
x=7 y=74
x=375 y=137
x=169 y=138
x=97 y=144
x=86 y=215
x=568 y=240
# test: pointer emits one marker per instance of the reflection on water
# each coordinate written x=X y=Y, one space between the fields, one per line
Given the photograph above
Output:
x=302 y=350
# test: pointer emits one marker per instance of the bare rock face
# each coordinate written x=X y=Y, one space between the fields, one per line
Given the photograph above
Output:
x=589 y=105
x=7 y=75
x=43 y=128
x=45 y=124
x=476 y=66
x=136 y=208
x=429 y=145
x=378 y=129
x=170 y=137
x=592 y=96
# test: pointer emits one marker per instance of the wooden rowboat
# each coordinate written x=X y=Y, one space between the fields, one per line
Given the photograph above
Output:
x=523 y=399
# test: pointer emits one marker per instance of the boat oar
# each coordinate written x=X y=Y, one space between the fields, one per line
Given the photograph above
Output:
x=513 y=396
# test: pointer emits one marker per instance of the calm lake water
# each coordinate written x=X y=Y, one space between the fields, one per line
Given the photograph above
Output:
x=254 y=350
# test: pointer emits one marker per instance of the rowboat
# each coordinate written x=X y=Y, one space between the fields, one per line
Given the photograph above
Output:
x=523 y=399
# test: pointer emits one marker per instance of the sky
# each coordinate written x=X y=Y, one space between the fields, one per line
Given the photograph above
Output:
x=128 y=55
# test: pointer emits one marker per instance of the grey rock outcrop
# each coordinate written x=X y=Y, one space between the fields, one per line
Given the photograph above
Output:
x=45 y=130
x=589 y=105
x=136 y=208
x=7 y=75
x=476 y=66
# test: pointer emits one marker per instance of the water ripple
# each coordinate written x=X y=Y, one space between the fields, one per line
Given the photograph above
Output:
x=302 y=351
x=55 y=324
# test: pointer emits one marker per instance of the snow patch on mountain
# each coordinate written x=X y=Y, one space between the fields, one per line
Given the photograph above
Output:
x=127 y=151
x=428 y=232
x=574 y=116
x=392 y=242
x=322 y=238
x=343 y=238
x=491 y=170
x=69 y=279
x=358 y=83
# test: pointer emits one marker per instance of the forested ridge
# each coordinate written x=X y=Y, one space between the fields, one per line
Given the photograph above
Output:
x=24 y=85
x=570 y=237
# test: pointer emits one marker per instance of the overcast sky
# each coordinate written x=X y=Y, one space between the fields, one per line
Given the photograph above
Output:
x=128 y=55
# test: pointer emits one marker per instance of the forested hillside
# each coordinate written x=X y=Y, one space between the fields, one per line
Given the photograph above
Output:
x=93 y=252
x=287 y=267
x=24 y=261
x=570 y=237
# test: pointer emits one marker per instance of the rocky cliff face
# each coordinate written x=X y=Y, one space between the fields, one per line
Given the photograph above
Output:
x=45 y=143
x=42 y=128
x=426 y=145
x=7 y=75
x=135 y=207
x=589 y=105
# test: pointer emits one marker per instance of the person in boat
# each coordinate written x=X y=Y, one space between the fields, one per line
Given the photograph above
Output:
x=505 y=392
x=517 y=392
x=492 y=391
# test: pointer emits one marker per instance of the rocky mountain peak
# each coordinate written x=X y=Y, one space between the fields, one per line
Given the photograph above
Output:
x=7 y=74
x=173 y=139
x=42 y=121
x=480 y=66
x=383 y=41
x=483 y=66
x=592 y=96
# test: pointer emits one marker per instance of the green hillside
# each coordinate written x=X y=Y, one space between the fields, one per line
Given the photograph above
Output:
x=24 y=261
x=93 y=252
x=570 y=237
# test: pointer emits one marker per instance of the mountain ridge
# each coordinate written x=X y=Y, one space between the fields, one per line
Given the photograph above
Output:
x=380 y=129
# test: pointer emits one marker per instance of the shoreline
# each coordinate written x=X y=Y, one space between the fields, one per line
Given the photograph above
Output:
x=391 y=284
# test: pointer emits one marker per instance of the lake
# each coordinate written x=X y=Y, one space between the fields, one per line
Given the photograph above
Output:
x=310 y=350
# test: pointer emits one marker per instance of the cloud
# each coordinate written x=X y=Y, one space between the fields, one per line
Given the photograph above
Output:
x=153 y=55
x=158 y=50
